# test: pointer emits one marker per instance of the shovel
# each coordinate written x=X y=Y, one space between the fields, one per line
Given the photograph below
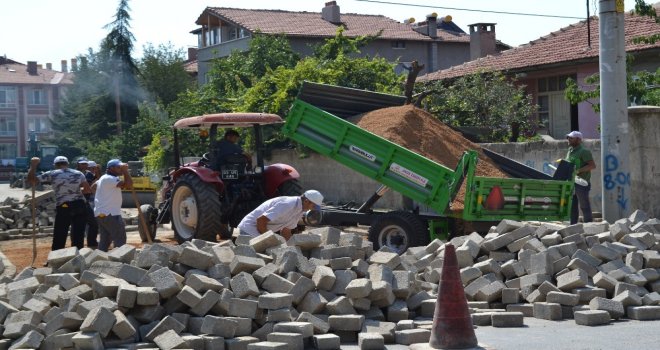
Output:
x=34 y=227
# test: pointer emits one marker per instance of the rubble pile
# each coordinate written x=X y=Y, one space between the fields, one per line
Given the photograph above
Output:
x=16 y=216
x=327 y=287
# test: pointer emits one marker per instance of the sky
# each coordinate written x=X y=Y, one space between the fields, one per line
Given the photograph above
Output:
x=48 y=31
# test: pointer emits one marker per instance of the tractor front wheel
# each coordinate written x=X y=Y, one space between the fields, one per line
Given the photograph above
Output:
x=195 y=209
x=398 y=230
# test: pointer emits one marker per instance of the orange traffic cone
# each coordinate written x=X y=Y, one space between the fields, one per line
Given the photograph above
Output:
x=495 y=199
x=452 y=323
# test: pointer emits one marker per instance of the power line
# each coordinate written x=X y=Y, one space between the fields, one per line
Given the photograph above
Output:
x=470 y=10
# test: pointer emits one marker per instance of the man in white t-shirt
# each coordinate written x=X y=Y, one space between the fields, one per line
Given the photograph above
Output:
x=279 y=214
x=107 y=204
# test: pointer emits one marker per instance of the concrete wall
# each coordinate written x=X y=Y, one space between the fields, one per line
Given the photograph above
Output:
x=645 y=158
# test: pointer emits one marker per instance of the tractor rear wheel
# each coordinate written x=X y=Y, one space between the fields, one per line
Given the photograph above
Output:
x=398 y=230
x=195 y=209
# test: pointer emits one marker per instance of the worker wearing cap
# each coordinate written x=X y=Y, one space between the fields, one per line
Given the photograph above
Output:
x=107 y=204
x=69 y=198
x=92 y=227
x=279 y=214
x=584 y=164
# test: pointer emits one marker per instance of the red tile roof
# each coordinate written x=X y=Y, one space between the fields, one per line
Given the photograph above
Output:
x=17 y=74
x=310 y=24
x=565 y=45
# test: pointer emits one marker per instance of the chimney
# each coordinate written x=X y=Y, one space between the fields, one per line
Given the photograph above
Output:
x=49 y=66
x=432 y=25
x=32 y=67
x=482 y=40
x=331 y=12
x=64 y=69
x=192 y=54
x=74 y=64
x=83 y=62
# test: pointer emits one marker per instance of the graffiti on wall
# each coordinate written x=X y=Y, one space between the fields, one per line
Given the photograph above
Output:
x=615 y=180
x=546 y=168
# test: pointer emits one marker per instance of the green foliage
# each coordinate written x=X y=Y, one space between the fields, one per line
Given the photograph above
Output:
x=484 y=99
x=163 y=74
x=644 y=9
x=642 y=88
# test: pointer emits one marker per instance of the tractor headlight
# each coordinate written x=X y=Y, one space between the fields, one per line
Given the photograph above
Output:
x=258 y=170
x=312 y=217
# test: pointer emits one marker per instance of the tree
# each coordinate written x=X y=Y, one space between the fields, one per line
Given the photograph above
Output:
x=484 y=99
x=163 y=74
x=644 y=9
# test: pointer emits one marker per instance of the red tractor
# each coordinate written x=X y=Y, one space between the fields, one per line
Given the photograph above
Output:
x=210 y=197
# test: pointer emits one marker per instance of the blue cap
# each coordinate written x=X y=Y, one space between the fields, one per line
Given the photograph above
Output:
x=113 y=163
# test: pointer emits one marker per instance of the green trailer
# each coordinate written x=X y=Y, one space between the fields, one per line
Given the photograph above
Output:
x=487 y=200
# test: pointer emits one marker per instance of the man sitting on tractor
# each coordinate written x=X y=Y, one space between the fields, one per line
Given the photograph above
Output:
x=229 y=146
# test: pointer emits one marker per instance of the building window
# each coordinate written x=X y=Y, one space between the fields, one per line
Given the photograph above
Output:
x=7 y=97
x=544 y=112
x=551 y=84
x=37 y=97
x=7 y=126
x=38 y=124
x=398 y=44
x=7 y=151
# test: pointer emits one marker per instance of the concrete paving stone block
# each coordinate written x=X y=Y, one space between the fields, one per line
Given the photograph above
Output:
x=620 y=287
x=384 y=329
x=99 y=320
x=146 y=314
x=374 y=313
x=535 y=279
x=341 y=263
x=267 y=345
x=628 y=298
x=643 y=313
x=109 y=268
x=66 y=281
x=324 y=278
x=167 y=323
x=329 y=235
x=319 y=325
x=578 y=263
x=342 y=279
x=477 y=305
x=57 y=258
x=279 y=315
x=31 y=340
x=346 y=322
x=243 y=308
x=578 y=239
x=651 y=299
x=534 y=244
x=469 y=274
x=31 y=284
x=488 y=266
x=340 y=306
x=507 y=238
x=518 y=244
x=84 y=308
x=562 y=298
x=636 y=279
x=547 y=311
x=326 y=342
x=163 y=280
x=415 y=300
x=401 y=325
x=275 y=301
x=613 y=307
x=127 y=295
x=338 y=252
x=526 y=309
x=510 y=295
x=265 y=241
x=277 y=284
x=585 y=294
x=18 y=298
x=359 y=288
x=37 y=305
x=262 y=273
x=131 y=274
x=169 y=340
x=222 y=254
x=189 y=296
x=306 y=329
x=651 y=259
x=391 y=260
x=651 y=275
x=397 y=311
x=379 y=272
x=547 y=287
x=305 y=267
x=219 y=326
x=294 y=341
x=592 y=240
x=245 y=264
x=412 y=336
x=287 y=262
x=56 y=310
x=208 y=301
x=535 y=296
x=571 y=230
x=552 y=239
x=193 y=341
x=122 y=328
x=464 y=257
x=88 y=341
x=305 y=241
x=243 y=285
x=300 y=289
x=381 y=291
x=473 y=288
x=586 y=257
x=507 y=319
x=605 y=281
x=201 y=283
x=64 y=320
x=508 y=225
x=371 y=341
x=612 y=266
x=491 y=292
x=561 y=263
x=17 y=330
x=124 y=254
x=96 y=255
x=481 y=319
x=571 y=280
x=604 y=253
x=312 y=302
x=591 y=317
x=106 y=287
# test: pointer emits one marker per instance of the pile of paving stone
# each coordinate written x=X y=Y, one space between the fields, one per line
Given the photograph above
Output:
x=16 y=215
x=327 y=287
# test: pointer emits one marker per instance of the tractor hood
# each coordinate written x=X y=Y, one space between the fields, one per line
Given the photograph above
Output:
x=228 y=120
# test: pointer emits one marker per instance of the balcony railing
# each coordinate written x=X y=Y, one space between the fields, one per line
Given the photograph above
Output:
x=7 y=133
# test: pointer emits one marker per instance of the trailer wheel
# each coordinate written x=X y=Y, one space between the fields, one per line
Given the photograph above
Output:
x=398 y=230
x=150 y=215
x=195 y=209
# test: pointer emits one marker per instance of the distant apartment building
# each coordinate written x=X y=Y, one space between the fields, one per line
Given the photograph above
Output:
x=29 y=99
x=438 y=43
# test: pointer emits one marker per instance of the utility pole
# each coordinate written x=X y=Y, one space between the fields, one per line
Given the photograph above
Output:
x=615 y=130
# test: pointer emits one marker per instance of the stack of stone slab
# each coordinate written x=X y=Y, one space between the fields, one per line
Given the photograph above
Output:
x=327 y=287
x=16 y=216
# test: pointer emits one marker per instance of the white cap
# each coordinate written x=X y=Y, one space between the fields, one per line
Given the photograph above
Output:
x=91 y=164
x=574 y=134
x=60 y=159
x=314 y=196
